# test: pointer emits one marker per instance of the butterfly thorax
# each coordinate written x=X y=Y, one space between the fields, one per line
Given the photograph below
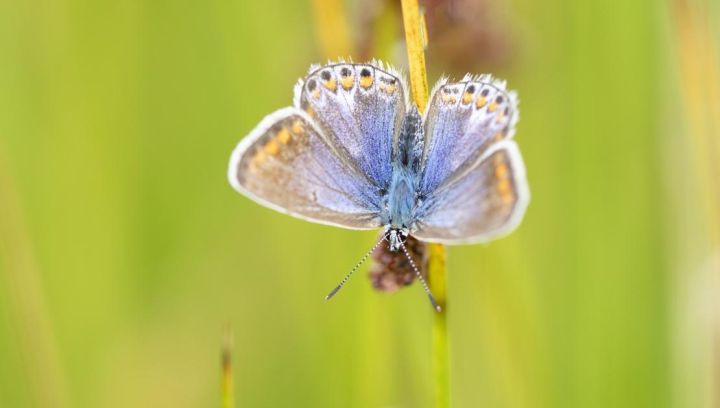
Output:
x=401 y=198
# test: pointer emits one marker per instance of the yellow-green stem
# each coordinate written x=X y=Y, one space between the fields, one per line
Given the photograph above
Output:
x=437 y=271
x=437 y=277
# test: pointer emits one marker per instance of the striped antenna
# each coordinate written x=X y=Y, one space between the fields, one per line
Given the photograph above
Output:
x=422 y=280
x=345 y=279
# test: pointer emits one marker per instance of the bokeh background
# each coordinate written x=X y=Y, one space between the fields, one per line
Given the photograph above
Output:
x=125 y=255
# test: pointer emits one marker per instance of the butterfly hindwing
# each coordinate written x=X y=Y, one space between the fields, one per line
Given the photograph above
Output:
x=287 y=164
x=359 y=107
x=487 y=201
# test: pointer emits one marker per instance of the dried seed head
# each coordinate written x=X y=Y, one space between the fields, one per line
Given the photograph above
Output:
x=392 y=270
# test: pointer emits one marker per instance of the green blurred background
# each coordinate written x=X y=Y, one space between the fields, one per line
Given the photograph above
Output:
x=124 y=253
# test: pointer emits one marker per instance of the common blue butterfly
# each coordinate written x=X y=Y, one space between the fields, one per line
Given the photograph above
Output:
x=353 y=152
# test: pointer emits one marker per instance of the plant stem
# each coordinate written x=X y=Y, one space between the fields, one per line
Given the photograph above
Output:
x=437 y=272
x=416 y=52
x=437 y=275
x=227 y=399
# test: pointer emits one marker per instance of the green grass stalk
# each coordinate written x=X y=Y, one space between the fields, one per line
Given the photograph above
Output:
x=227 y=396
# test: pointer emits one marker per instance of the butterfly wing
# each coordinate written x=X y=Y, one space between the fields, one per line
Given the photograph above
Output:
x=473 y=181
x=287 y=164
x=462 y=121
x=487 y=201
x=360 y=108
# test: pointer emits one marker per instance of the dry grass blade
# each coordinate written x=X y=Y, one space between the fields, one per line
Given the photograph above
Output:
x=437 y=273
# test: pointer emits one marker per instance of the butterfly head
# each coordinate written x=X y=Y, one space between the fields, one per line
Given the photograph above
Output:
x=396 y=237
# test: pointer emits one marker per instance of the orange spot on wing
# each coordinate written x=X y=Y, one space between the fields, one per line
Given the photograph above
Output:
x=501 y=171
x=448 y=99
x=258 y=159
x=481 y=101
x=298 y=127
x=331 y=84
x=467 y=98
x=505 y=190
x=492 y=107
x=272 y=147
x=366 y=81
x=284 y=135
x=347 y=82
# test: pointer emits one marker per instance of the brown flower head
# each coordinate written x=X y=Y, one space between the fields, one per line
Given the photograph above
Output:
x=392 y=270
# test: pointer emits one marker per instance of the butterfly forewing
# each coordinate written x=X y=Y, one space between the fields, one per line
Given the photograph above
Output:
x=287 y=164
x=359 y=107
x=485 y=202
x=462 y=121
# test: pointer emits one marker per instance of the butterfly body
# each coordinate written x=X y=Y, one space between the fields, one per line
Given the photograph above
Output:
x=354 y=152
x=402 y=195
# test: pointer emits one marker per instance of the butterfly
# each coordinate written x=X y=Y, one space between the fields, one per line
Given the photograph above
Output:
x=354 y=152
